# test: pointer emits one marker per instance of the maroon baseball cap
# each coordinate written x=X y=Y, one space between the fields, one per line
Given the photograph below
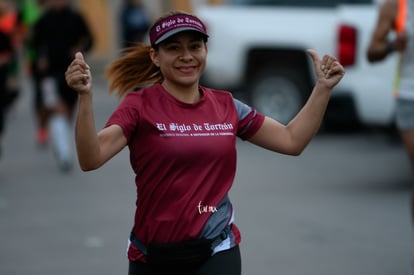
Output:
x=174 y=24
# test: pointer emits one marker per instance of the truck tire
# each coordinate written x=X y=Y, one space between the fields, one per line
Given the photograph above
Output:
x=278 y=93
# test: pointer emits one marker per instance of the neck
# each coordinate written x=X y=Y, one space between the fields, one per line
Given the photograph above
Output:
x=186 y=94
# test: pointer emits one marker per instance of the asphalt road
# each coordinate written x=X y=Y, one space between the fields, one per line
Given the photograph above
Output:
x=342 y=207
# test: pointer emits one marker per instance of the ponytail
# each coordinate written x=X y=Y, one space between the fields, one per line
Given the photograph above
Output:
x=133 y=70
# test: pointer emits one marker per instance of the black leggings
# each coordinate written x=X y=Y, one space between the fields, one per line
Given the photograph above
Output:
x=226 y=262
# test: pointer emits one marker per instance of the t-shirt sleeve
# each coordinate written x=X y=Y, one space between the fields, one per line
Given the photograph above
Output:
x=250 y=120
x=126 y=116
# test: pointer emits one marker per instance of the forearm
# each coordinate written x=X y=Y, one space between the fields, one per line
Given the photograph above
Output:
x=380 y=51
x=307 y=122
x=86 y=137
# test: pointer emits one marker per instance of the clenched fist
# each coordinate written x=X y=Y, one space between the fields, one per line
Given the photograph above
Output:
x=328 y=70
x=78 y=75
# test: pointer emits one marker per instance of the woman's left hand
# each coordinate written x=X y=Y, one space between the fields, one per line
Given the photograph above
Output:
x=328 y=70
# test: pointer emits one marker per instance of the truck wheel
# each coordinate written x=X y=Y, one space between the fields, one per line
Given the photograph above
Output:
x=279 y=94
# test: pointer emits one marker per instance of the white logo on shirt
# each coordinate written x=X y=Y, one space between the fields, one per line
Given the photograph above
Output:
x=204 y=129
x=206 y=208
x=180 y=128
x=161 y=127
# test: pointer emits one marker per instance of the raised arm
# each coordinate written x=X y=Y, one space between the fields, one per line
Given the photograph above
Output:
x=93 y=148
x=293 y=138
x=380 y=44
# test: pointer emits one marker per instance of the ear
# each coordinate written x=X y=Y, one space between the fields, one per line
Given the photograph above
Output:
x=154 y=57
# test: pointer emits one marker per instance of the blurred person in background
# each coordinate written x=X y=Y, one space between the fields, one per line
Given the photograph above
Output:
x=134 y=22
x=30 y=13
x=57 y=35
x=9 y=59
x=10 y=24
x=182 y=143
x=394 y=34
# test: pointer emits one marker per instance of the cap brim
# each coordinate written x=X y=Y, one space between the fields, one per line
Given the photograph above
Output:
x=175 y=31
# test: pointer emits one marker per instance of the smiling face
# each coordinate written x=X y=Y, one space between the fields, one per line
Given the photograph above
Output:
x=181 y=59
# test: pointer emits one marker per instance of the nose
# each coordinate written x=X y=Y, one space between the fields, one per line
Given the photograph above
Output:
x=186 y=55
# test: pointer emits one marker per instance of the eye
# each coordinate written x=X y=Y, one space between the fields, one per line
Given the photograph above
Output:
x=172 y=47
x=196 y=46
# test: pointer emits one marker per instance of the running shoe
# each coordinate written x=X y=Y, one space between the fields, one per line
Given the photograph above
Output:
x=42 y=136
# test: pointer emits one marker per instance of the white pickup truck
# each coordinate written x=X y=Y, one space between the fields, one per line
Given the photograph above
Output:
x=258 y=48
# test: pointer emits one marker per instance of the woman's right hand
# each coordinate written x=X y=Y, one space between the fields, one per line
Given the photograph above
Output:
x=78 y=75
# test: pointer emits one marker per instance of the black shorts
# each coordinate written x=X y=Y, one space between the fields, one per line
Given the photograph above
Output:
x=65 y=93
x=226 y=262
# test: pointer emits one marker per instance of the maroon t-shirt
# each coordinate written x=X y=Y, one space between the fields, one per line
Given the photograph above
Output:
x=184 y=159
